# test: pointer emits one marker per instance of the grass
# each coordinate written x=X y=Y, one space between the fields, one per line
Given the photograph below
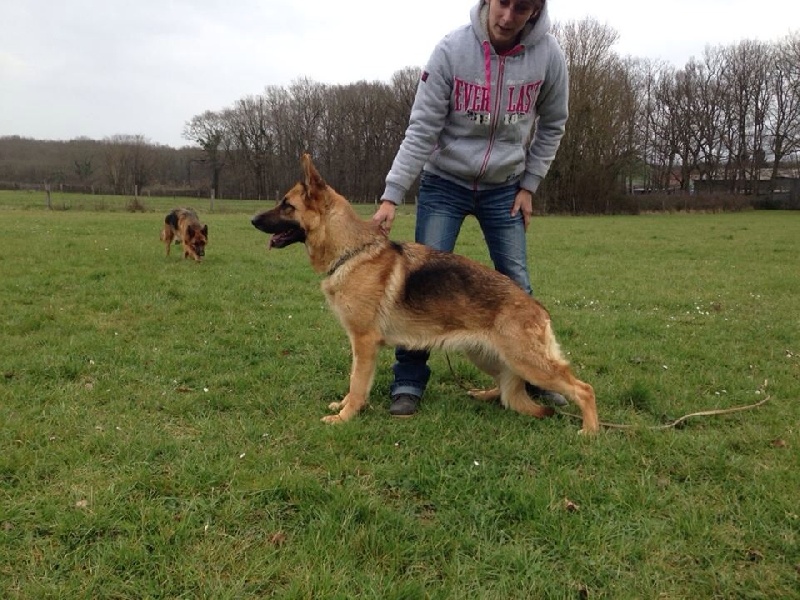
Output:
x=161 y=437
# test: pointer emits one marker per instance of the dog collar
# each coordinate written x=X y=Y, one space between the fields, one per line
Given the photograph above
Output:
x=348 y=255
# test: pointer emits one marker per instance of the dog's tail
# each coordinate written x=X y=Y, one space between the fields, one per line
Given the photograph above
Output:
x=552 y=347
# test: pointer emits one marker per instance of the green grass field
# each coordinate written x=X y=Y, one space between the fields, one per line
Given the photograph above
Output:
x=161 y=433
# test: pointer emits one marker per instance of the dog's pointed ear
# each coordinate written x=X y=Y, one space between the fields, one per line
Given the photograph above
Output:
x=205 y=230
x=313 y=179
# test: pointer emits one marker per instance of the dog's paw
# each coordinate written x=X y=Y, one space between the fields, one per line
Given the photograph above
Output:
x=547 y=411
x=332 y=419
x=485 y=395
x=538 y=411
x=336 y=406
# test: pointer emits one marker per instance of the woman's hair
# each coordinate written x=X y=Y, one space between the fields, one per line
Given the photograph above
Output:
x=538 y=5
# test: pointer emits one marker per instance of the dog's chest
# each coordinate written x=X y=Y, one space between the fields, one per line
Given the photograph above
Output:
x=353 y=304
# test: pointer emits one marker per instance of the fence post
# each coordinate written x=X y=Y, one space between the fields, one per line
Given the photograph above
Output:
x=47 y=191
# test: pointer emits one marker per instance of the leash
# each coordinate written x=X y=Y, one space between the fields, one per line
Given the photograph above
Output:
x=672 y=424
x=678 y=421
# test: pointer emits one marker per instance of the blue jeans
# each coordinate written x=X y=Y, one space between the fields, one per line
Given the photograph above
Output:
x=442 y=207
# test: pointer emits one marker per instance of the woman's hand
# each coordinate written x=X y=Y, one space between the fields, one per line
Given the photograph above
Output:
x=384 y=216
x=523 y=201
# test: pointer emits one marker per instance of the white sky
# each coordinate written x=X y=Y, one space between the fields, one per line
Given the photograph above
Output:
x=145 y=67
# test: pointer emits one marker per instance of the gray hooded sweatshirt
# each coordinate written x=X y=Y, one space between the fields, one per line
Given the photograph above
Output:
x=484 y=120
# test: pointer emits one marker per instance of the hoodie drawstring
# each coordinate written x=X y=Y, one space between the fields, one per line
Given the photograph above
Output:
x=487 y=65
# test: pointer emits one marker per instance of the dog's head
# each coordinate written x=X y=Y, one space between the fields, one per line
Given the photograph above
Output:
x=299 y=212
x=197 y=238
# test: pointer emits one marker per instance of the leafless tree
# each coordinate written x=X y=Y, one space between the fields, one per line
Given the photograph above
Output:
x=707 y=107
x=745 y=84
x=596 y=151
x=783 y=121
x=664 y=114
x=210 y=132
x=252 y=129
x=306 y=112
x=355 y=130
x=644 y=74
x=128 y=162
x=404 y=86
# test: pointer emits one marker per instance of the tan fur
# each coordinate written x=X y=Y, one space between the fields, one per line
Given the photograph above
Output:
x=382 y=292
x=182 y=225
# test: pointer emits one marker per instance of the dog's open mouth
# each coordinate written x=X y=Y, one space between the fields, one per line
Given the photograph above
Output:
x=283 y=232
x=284 y=238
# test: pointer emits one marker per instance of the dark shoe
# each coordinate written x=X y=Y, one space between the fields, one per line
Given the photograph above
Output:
x=404 y=405
x=545 y=396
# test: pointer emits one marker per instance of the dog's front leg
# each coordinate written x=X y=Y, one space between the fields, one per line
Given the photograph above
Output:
x=365 y=352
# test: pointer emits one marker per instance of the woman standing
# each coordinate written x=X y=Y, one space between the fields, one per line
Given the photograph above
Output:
x=487 y=120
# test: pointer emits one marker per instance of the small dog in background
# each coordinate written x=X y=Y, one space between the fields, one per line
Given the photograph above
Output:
x=183 y=226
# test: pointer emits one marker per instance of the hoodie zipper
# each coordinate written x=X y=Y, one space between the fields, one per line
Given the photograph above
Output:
x=495 y=117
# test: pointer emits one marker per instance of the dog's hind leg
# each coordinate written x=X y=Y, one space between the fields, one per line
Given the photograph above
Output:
x=510 y=388
x=559 y=378
x=365 y=353
x=489 y=364
x=541 y=363
x=554 y=374
x=514 y=396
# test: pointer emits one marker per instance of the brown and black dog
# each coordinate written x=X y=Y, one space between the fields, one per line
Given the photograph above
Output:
x=183 y=226
x=407 y=294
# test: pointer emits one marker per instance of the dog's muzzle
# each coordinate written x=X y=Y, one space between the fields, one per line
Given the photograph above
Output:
x=283 y=233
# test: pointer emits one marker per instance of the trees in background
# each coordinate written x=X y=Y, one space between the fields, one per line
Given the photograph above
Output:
x=783 y=113
x=129 y=163
x=209 y=132
x=597 y=148
x=728 y=117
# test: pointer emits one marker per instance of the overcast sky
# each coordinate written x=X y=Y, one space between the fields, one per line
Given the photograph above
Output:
x=145 y=67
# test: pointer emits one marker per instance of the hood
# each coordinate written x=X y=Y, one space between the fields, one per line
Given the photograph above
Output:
x=533 y=32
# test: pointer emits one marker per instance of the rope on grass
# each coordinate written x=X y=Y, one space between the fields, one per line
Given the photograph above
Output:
x=670 y=425
x=678 y=421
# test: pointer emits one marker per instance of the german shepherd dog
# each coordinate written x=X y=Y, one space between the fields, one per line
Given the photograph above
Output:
x=183 y=226
x=406 y=294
